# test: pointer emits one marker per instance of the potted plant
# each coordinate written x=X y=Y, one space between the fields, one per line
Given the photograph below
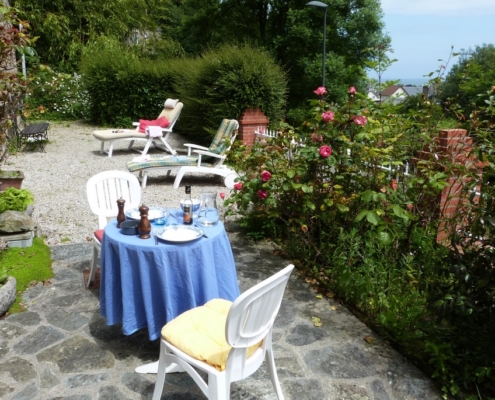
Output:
x=10 y=179
x=12 y=199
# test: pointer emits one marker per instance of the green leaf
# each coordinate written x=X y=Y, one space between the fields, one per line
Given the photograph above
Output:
x=373 y=217
x=401 y=213
x=361 y=215
x=291 y=173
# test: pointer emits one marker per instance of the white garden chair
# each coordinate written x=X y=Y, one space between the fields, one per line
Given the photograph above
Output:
x=103 y=190
x=246 y=329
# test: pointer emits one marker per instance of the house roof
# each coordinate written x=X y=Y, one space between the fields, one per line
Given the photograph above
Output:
x=391 y=90
x=413 y=90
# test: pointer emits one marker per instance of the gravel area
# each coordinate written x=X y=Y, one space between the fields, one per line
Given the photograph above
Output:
x=57 y=178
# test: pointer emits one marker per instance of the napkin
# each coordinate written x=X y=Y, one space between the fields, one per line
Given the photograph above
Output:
x=154 y=131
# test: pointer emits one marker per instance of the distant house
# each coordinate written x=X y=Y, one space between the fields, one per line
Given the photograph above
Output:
x=394 y=94
x=373 y=94
x=413 y=90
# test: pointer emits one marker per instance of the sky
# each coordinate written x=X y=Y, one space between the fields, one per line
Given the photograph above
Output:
x=423 y=32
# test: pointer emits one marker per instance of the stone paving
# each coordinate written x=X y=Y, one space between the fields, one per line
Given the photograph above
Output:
x=61 y=348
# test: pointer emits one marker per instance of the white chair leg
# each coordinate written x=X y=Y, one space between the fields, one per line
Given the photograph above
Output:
x=218 y=387
x=178 y=178
x=147 y=147
x=160 y=377
x=94 y=263
x=169 y=148
x=144 y=180
x=110 y=148
x=270 y=361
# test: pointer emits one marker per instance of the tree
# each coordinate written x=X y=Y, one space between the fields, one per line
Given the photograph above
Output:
x=13 y=85
x=473 y=75
x=293 y=33
x=64 y=27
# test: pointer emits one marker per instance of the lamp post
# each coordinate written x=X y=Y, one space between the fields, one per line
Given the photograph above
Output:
x=319 y=4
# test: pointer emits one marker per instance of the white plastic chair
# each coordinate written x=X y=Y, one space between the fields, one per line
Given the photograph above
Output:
x=171 y=111
x=103 y=190
x=194 y=161
x=249 y=321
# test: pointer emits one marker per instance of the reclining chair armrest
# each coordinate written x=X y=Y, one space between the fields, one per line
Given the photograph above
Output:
x=207 y=153
x=194 y=146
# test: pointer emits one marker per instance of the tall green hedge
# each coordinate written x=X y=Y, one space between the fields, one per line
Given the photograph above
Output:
x=222 y=83
x=123 y=86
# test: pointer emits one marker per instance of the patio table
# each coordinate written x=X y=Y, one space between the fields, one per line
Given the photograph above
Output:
x=147 y=285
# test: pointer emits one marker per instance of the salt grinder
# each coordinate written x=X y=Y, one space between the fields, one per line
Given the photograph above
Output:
x=144 y=227
x=120 y=215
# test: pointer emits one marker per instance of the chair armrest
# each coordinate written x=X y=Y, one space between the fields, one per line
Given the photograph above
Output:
x=194 y=146
x=207 y=153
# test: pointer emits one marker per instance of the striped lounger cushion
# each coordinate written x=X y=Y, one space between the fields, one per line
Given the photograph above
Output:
x=164 y=161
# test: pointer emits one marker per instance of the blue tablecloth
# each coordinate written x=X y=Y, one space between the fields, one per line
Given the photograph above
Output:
x=144 y=285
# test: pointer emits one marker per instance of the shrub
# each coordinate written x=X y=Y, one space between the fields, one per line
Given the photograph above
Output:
x=125 y=86
x=222 y=83
x=57 y=96
x=335 y=195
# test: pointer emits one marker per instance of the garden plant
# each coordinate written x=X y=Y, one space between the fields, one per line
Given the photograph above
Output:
x=347 y=196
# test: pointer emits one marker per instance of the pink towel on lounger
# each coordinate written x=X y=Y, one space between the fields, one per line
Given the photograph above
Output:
x=162 y=122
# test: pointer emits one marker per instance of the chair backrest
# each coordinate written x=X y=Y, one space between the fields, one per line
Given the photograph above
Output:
x=105 y=188
x=253 y=313
x=224 y=137
x=172 y=114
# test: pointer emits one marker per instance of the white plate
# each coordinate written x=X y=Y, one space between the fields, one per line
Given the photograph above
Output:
x=180 y=233
x=153 y=213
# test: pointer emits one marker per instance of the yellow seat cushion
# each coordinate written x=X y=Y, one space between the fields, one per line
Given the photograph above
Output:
x=200 y=333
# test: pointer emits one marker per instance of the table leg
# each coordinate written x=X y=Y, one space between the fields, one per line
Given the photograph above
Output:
x=152 y=368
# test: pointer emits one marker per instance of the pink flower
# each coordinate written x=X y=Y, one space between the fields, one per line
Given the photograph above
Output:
x=320 y=91
x=352 y=90
x=266 y=176
x=262 y=194
x=238 y=186
x=327 y=116
x=359 y=119
x=325 y=151
x=393 y=184
x=222 y=195
x=316 y=138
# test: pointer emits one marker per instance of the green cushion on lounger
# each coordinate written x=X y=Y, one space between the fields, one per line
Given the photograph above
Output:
x=165 y=161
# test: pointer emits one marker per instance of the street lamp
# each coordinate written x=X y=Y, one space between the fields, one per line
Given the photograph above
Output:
x=319 y=4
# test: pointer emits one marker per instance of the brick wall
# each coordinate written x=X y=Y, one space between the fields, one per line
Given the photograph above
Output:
x=451 y=146
x=250 y=120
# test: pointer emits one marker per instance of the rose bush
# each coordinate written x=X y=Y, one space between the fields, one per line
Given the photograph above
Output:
x=343 y=208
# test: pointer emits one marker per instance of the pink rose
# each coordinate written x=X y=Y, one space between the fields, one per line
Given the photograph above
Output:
x=238 y=186
x=266 y=176
x=316 y=138
x=393 y=184
x=262 y=194
x=320 y=91
x=222 y=195
x=352 y=90
x=359 y=119
x=327 y=116
x=325 y=151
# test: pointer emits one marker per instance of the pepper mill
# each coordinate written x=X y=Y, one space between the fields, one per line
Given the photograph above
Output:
x=144 y=227
x=120 y=215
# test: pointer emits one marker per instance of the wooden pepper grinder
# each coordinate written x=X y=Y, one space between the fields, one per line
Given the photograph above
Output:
x=120 y=215
x=144 y=227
